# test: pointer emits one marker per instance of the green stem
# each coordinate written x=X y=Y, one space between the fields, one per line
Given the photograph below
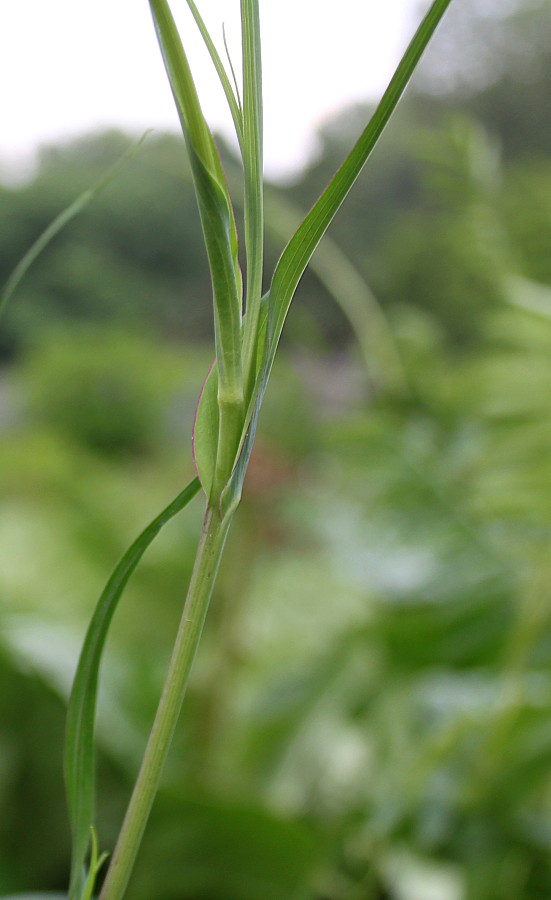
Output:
x=254 y=199
x=208 y=556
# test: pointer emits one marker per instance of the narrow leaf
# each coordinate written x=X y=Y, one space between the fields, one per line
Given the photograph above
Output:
x=227 y=304
x=79 y=742
x=61 y=221
x=233 y=75
x=350 y=290
x=296 y=255
x=213 y=197
x=300 y=248
x=220 y=236
x=96 y=862
x=232 y=96
x=194 y=125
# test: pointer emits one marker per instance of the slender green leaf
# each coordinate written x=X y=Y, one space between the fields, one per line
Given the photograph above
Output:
x=350 y=290
x=532 y=296
x=96 y=862
x=194 y=125
x=234 y=77
x=294 y=259
x=79 y=745
x=61 y=221
x=214 y=206
x=232 y=96
x=227 y=315
x=300 y=248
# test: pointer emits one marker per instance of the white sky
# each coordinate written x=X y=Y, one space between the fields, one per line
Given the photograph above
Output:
x=67 y=66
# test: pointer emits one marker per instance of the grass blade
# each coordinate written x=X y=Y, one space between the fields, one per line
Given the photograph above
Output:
x=79 y=743
x=96 y=862
x=220 y=235
x=296 y=255
x=232 y=96
x=300 y=248
x=232 y=70
x=63 y=219
x=349 y=289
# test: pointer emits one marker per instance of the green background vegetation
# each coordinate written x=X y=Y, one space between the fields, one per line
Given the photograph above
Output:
x=370 y=715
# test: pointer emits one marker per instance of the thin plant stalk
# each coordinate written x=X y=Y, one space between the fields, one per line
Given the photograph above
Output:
x=207 y=560
x=254 y=187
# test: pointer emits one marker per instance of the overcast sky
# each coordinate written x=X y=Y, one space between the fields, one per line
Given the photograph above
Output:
x=67 y=66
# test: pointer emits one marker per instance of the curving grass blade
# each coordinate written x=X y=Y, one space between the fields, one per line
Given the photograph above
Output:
x=234 y=101
x=212 y=193
x=350 y=291
x=302 y=245
x=60 y=222
x=275 y=304
x=96 y=862
x=79 y=742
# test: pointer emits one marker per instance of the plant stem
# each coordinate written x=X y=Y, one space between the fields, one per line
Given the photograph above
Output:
x=254 y=187
x=208 y=556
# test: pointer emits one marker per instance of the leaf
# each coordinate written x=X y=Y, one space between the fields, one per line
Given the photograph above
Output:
x=61 y=221
x=214 y=201
x=296 y=255
x=351 y=292
x=79 y=742
x=302 y=245
x=231 y=96
x=96 y=862
x=274 y=305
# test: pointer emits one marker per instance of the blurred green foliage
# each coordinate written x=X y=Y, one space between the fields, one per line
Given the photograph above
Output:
x=370 y=715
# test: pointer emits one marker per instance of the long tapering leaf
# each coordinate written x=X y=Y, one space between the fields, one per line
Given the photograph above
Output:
x=79 y=744
x=300 y=248
x=220 y=235
x=231 y=96
x=214 y=204
x=96 y=862
x=350 y=290
x=296 y=255
x=60 y=221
